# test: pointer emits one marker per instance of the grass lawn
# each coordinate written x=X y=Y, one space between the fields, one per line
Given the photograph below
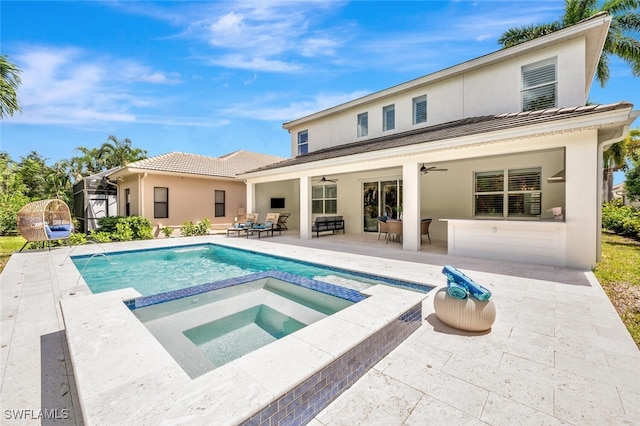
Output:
x=7 y=246
x=619 y=274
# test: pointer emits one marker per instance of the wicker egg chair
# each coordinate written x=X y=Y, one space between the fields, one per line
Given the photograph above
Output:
x=45 y=220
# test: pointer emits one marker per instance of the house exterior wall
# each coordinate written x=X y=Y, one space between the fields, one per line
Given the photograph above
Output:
x=490 y=90
x=449 y=195
x=289 y=190
x=190 y=198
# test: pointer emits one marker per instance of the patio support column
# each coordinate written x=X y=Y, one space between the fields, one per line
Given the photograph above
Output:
x=410 y=206
x=251 y=197
x=581 y=189
x=305 y=212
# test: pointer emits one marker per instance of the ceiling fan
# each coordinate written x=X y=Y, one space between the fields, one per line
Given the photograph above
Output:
x=424 y=170
x=324 y=179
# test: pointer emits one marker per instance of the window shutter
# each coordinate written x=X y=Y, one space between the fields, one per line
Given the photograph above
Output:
x=389 y=118
x=363 y=124
x=539 y=86
x=420 y=109
x=524 y=180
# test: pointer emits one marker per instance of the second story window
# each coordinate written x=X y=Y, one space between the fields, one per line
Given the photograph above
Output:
x=420 y=109
x=539 y=85
x=388 y=118
x=303 y=142
x=363 y=124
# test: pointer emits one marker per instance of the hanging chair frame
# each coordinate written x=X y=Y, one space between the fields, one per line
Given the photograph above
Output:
x=45 y=220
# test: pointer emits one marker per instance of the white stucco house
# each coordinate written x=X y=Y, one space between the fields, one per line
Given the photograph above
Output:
x=512 y=131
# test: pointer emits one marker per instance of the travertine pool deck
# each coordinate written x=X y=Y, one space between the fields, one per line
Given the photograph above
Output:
x=557 y=354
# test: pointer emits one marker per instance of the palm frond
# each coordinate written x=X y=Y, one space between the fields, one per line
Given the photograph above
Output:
x=615 y=7
x=515 y=36
x=577 y=10
x=626 y=48
x=603 y=73
x=629 y=21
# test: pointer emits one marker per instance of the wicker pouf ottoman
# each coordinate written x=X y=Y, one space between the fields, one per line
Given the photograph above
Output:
x=469 y=314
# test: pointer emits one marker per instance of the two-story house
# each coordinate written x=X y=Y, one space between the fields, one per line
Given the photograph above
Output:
x=501 y=152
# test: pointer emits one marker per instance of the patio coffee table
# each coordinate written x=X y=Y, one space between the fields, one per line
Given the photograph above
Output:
x=236 y=230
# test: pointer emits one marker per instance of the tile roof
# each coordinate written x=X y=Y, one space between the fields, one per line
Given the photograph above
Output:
x=228 y=165
x=450 y=130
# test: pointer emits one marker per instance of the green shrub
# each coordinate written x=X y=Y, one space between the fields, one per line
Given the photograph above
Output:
x=141 y=227
x=77 y=239
x=108 y=224
x=189 y=228
x=123 y=232
x=100 y=236
x=126 y=228
x=621 y=219
x=167 y=231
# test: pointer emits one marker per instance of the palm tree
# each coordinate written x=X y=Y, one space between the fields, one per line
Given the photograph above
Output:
x=619 y=42
x=85 y=164
x=9 y=83
x=615 y=159
x=115 y=152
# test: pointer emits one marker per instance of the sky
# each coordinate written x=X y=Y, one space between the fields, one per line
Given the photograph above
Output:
x=212 y=77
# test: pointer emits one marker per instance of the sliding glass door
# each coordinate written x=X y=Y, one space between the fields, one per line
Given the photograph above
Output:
x=381 y=198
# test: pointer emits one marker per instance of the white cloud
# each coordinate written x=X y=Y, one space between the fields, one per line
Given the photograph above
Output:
x=69 y=86
x=255 y=63
x=267 y=109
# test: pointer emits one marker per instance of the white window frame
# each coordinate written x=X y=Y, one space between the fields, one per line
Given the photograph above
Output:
x=419 y=112
x=324 y=199
x=388 y=117
x=363 y=124
x=519 y=191
x=540 y=81
x=303 y=142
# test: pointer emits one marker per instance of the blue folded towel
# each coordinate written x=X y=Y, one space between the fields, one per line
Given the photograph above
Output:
x=475 y=289
x=456 y=291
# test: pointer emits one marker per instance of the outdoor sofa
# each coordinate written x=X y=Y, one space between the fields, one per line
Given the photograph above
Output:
x=328 y=223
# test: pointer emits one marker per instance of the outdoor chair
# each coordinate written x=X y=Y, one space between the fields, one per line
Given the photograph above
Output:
x=424 y=229
x=269 y=226
x=282 y=221
x=383 y=228
x=45 y=220
x=394 y=230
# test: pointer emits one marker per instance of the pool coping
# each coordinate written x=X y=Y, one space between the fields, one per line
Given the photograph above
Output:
x=124 y=374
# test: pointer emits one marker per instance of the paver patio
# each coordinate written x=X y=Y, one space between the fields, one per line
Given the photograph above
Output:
x=557 y=354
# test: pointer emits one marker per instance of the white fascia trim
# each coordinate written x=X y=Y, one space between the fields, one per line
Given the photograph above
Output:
x=576 y=124
x=126 y=171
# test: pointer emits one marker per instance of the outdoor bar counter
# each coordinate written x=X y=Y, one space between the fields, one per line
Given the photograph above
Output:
x=532 y=241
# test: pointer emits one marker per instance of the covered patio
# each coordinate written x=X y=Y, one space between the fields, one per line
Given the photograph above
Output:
x=523 y=187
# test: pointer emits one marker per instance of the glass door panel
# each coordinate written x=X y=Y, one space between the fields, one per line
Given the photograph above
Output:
x=370 y=206
x=390 y=198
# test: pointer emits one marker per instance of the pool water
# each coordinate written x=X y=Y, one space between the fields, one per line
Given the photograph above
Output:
x=210 y=328
x=160 y=270
x=238 y=334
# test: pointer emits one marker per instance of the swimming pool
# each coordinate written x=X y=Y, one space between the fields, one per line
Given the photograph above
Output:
x=153 y=271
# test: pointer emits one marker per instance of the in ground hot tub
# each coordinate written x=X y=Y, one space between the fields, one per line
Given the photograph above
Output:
x=207 y=326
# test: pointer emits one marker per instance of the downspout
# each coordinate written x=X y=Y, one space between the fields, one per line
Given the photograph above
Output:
x=141 y=193
x=603 y=146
